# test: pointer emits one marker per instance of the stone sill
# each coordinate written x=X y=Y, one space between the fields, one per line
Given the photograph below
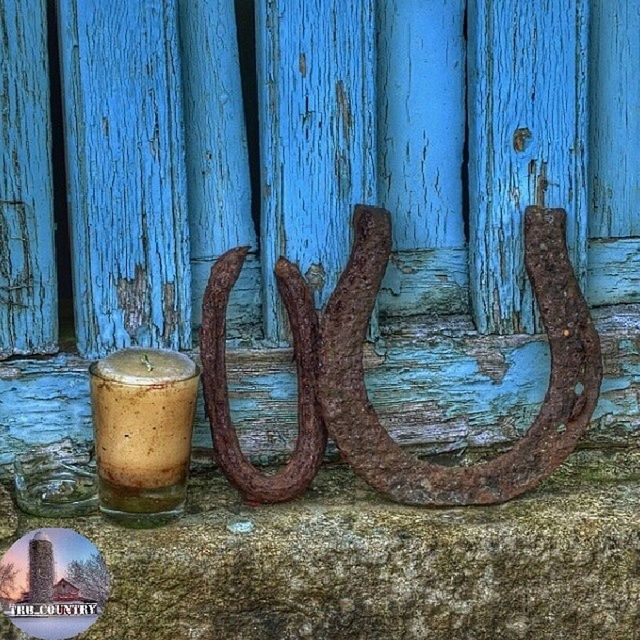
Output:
x=561 y=562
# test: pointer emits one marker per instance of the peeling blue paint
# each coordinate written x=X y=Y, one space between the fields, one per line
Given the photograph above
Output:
x=434 y=393
x=126 y=174
x=316 y=86
x=527 y=71
x=28 y=294
x=614 y=92
x=614 y=269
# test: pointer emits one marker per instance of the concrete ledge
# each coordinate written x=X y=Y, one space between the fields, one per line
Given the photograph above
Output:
x=563 y=562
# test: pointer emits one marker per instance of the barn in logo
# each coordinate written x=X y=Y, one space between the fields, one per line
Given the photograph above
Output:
x=45 y=598
x=54 y=583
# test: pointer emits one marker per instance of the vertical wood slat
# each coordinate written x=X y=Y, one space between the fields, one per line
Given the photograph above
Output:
x=615 y=123
x=219 y=189
x=316 y=84
x=421 y=119
x=28 y=287
x=527 y=144
x=127 y=184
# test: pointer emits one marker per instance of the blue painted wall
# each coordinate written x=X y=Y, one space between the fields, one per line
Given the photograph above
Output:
x=126 y=173
x=362 y=105
x=614 y=91
x=28 y=292
x=316 y=89
x=358 y=103
x=527 y=83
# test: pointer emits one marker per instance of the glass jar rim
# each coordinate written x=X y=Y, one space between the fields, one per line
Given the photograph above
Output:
x=150 y=383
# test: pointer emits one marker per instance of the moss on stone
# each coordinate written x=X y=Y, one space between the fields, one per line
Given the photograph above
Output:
x=561 y=562
x=8 y=518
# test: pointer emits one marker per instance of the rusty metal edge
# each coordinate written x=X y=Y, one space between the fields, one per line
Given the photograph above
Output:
x=292 y=480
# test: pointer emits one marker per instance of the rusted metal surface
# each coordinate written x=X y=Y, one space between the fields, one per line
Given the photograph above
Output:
x=576 y=372
x=293 y=479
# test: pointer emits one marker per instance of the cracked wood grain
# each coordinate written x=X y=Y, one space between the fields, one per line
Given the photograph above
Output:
x=218 y=182
x=421 y=120
x=528 y=136
x=316 y=90
x=129 y=223
x=28 y=288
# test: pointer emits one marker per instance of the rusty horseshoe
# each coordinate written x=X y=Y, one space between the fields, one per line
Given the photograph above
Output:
x=293 y=479
x=576 y=373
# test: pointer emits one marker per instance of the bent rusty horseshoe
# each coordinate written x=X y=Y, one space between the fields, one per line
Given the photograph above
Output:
x=576 y=372
x=295 y=477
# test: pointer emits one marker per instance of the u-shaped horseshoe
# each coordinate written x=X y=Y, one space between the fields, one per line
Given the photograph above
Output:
x=295 y=477
x=576 y=372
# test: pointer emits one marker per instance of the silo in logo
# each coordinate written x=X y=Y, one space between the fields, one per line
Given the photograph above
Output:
x=53 y=583
x=41 y=568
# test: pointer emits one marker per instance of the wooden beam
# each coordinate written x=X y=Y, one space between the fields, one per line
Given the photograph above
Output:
x=438 y=388
x=28 y=286
x=425 y=281
x=421 y=119
x=126 y=174
x=614 y=95
x=614 y=271
x=527 y=144
x=420 y=282
x=316 y=86
x=219 y=188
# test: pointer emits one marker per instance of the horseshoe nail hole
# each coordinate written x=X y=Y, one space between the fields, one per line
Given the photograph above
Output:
x=561 y=428
x=578 y=389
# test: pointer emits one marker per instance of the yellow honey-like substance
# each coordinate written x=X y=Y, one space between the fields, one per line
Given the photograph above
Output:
x=143 y=403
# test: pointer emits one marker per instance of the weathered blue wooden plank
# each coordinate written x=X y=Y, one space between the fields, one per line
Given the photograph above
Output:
x=427 y=281
x=614 y=66
x=244 y=312
x=421 y=120
x=439 y=389
x=127 y=185
x=527 y=144
x=436 y=282
x=316 y=85
x=614 y=271
x=28 y=293
x=219 y=189
x=420 y=282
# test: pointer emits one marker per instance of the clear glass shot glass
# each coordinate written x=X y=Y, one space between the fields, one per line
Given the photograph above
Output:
x=143 y=404
x=57 y=480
